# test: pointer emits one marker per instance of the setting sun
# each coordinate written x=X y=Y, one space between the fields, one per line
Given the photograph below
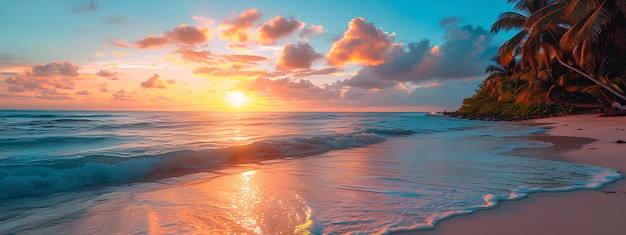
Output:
x=236 y=99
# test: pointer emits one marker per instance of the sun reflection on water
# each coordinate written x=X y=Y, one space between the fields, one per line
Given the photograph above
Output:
x=247 y=200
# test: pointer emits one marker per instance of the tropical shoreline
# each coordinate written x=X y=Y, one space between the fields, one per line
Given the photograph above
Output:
x=576 y=212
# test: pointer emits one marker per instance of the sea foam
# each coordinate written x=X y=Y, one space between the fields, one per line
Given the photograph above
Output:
x=69 y=174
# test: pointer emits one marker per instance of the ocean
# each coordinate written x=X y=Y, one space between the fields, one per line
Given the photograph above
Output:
x=97 y=172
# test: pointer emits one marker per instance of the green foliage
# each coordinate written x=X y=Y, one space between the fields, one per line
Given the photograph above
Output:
x=568 y=57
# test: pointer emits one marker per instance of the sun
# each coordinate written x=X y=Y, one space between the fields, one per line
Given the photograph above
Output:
x=236 y=99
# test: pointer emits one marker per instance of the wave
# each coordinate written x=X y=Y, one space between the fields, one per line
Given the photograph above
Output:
x=69 y=174
x=38 y=115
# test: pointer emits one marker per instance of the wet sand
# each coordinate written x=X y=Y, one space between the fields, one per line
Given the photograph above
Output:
x=585 y=139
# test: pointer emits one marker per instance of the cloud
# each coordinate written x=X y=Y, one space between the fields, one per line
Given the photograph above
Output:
x=103 y=87
x=53 y=95
x=189 y=35
x=183 y=34
x=298 y=56
x=465 y=52
x=310 y=31
x=246 y=59
x=203 y=21
x=83 y=92
x=233 y=74
x=44 y=78
x=108 y=74
x=198 y=57
x=285 y=89
x=117 y=42
x=55 y=68
x=324 y=71
x=152 y=42
x=80 y=6
x=8 y=60
x=361 y=44
x=468 y=49
x=119 y=54
x=237 y=29
x=276 y=28
x=116 y=20
x=121 y=94
x=156 y=82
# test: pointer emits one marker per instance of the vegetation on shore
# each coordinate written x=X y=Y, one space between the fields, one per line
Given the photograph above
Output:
x=568 y=57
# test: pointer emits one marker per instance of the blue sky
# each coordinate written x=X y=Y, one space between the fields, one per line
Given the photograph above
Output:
x=97 y=38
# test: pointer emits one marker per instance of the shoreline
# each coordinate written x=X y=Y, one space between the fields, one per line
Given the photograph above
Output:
x=584 y=139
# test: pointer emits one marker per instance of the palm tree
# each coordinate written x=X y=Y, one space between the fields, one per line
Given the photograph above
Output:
x=590 y=33
x=531 y=42
x=593 y=40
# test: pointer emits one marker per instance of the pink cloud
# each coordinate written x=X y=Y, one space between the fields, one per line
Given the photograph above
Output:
x=299 y=56
x=55 y=68
x=152 y=42
x=250 y=59
x=45 y=79
x=310 y=31
x=276 y=28
x=285 y=89
x=103 y=87
x=107 y=74
x=361 y=44
x=182 y=34
x=232 y=73
x=465 y=51
x=188 y=34
x=118 y=42
x=83 y=92
x=324 y=71
x=122 y=95
x=156 y=82
x=237 y=28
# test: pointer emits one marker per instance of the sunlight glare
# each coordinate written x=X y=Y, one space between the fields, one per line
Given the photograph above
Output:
x=236 y=99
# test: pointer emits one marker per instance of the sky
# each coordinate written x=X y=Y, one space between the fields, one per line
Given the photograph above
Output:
x=245 y=55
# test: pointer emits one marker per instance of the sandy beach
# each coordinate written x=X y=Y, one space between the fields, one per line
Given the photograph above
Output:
x=586 y=139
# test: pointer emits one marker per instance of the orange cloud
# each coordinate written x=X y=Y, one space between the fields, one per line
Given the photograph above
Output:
x=182 y=34
x=299 y=56
x=285 y=89
x=44 y=80
x=117 y=42
x=119 y=54
x=362 y=44
x=236 y=29
x=276 y=28
x=230 y=73
x=188 y=34
x=152 y=42
x=156 y=82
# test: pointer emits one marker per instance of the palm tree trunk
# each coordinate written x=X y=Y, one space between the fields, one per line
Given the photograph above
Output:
x=602 y=84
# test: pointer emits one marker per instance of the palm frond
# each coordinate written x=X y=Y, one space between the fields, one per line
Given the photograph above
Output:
x=577 y=10
x=507 y=21
x=569 y=40
x=510 y=46
x=595 y=24
x=546 y=16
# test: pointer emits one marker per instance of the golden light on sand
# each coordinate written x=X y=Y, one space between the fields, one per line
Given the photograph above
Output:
x=236 y=99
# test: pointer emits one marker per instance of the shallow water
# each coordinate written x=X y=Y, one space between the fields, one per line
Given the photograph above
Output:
x=289 y=173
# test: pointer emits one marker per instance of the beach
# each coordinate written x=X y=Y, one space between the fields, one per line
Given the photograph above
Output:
x=83 y=172
x=599 y=211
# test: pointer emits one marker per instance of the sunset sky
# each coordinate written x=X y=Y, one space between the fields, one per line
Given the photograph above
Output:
x=244 y=55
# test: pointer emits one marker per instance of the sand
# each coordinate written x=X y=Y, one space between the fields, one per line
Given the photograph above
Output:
x=586 y=139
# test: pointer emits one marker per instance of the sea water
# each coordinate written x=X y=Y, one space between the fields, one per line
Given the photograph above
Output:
x=81 y=172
